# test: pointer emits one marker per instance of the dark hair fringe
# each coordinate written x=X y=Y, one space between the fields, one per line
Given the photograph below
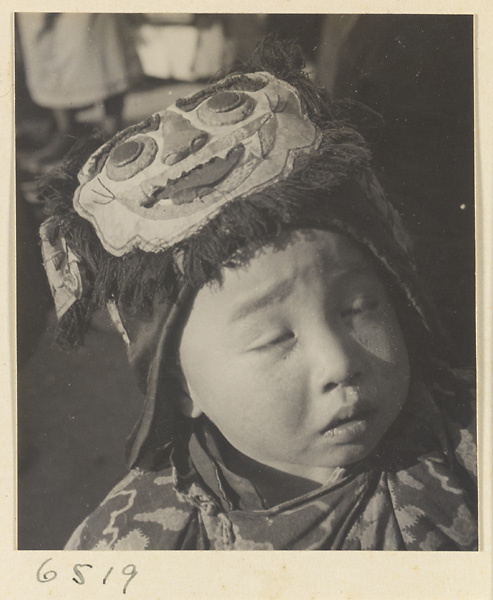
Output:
x=308 y=198
x=139 y=278
x=284 y=59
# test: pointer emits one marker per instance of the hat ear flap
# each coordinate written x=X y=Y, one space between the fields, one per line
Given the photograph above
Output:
x=161 y=420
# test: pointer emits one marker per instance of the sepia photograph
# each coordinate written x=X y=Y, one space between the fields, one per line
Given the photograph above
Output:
x=245 y=281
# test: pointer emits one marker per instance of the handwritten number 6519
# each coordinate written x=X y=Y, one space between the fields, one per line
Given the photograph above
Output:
x=44 y=576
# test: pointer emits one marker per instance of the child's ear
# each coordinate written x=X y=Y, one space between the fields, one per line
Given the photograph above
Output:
x=188 y=407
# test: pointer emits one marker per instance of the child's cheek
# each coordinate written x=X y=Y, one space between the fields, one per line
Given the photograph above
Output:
x=280 y=382
x=382 y=340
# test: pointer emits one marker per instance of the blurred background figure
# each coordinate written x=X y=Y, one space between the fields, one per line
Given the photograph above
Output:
x=209 y=44
x=72 y=61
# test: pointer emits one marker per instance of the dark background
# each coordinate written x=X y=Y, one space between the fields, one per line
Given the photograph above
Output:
x=75 y=409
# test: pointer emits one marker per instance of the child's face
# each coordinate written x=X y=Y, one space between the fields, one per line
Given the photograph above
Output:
x=298 y=358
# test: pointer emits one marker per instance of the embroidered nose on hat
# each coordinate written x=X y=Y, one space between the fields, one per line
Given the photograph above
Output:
x=180 y=138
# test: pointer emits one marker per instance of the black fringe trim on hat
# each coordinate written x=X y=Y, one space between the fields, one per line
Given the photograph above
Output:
x=323 y=194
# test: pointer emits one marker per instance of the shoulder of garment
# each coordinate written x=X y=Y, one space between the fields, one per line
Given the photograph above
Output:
x=143 y=512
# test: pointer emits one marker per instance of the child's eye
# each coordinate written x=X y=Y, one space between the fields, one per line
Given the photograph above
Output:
x=361 y=305
x=286 y=337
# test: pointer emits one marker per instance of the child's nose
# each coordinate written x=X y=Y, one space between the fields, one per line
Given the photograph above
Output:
x=335 y=359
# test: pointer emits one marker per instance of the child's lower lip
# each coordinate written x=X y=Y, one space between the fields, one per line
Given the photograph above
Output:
x=349 y=430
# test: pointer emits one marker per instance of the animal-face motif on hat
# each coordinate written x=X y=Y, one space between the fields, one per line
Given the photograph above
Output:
x=157 y=183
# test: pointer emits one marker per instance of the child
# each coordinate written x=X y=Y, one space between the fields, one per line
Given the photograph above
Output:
x=296 y=392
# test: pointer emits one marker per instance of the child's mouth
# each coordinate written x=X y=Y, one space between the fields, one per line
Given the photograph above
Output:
x=349 y=428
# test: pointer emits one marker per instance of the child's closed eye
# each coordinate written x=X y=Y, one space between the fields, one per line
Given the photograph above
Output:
x=281 y=339
x=360 y=306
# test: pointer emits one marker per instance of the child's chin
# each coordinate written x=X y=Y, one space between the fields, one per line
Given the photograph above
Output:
x=347 y=456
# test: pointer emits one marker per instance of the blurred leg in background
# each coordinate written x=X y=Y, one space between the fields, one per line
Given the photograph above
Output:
x=75 y=60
